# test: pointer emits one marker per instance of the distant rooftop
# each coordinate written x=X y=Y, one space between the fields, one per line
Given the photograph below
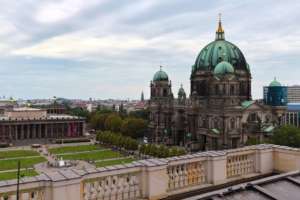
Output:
x=48 y=117
x=25 y=109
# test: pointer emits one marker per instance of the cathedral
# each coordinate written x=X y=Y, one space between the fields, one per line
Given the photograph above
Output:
x=219 y=113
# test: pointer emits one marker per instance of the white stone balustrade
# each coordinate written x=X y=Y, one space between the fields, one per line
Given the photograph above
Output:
x=155 y=178
x=238 y=165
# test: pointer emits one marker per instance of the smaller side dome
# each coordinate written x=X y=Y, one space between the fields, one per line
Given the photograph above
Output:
x=223 y=68
x=160 y=76
x=248 y=67
x=275 y=83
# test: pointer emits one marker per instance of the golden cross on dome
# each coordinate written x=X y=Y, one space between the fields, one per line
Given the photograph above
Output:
x=220 y=28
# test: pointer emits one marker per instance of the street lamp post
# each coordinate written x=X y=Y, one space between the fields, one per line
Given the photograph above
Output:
x=188 y=136
x=18 y=180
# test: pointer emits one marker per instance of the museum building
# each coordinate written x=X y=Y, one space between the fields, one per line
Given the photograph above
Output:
x=32 y=123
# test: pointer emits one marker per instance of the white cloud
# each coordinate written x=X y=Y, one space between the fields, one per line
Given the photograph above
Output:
x=53 y=11
x=77 y=46
x=72 y=35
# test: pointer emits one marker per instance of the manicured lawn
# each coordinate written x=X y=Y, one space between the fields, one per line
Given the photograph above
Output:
x=114 y=162
x=25 y=163
x=13 y=175
x=17 y=153
x=92 y=155
x=69 y=149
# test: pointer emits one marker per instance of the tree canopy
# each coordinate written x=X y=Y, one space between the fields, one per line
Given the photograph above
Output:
x=287 y=135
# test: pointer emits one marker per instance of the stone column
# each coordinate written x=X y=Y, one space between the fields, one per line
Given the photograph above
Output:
x=16 y=132
x=216 y=169
x=2 y=132
x=264 y=161
x=46 y=130
x=28 y=131
x=33 y=131
x=154 y=181
x=10 y=132
x=65 y=129
x=83 y=127
x=22 y=131
x=51 y=130
x=40 y=130
x=61 y=130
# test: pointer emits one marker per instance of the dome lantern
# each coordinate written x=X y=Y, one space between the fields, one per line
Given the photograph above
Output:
x=220 y=35
x=160 y=75
x=220 y=50
x=181 y=91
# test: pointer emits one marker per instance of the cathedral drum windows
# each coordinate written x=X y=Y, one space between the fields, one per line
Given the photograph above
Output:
x=165 y=92
x=232 y=92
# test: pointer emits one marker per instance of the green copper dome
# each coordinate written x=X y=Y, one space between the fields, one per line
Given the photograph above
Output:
x=160 y=76
x=223 y=68
x=218 y=51
x=274 y=83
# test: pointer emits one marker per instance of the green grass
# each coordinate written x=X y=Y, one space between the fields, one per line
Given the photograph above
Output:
x=114 y=162
x=92 y=155
x=25 y=163
x=17 y=153
x=70 y=149
x=13 y=175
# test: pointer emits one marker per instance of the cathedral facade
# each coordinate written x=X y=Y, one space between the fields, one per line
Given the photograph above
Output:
x=219 y=113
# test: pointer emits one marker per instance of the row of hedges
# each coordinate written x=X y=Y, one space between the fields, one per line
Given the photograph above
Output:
x=72 y=140
x=128 y=143
x=161 y=151
x=118 y=140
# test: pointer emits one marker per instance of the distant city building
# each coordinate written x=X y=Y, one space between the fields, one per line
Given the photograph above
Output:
x=275 y=94
x=293 y=94
x=32 y=123
x=219 y=113
x=292 y=116
x=7 y=104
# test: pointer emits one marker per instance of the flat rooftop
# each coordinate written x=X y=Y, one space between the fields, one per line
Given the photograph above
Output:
x=283 y=186
x=25 y=109
x=293 y=107
x=48 y=117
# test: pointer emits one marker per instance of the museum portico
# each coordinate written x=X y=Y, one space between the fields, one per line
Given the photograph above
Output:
x=29 y=123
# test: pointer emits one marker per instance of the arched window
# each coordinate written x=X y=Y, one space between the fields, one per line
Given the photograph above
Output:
x=253 y=117
x=165 y=92
x=232 y=90
x=216 y=123
x=216 y=89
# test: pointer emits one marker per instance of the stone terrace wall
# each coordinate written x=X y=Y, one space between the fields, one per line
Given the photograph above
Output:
x=156 y=178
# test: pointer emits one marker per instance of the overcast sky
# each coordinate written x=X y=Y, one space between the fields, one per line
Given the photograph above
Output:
x=112 y=48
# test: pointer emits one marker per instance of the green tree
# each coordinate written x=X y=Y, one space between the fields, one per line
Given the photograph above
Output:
x=287 y=135
x=79 y=112
x=134 y=127
x=143 y=114
x=113 y=123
